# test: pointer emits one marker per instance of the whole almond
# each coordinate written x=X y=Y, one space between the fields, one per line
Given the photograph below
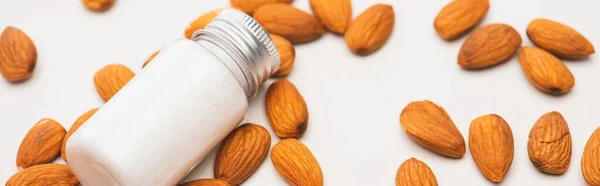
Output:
x=370 y=30
x=296 y=164
x=429 y=125
x=459 y=16
x=334 y=14
x=18 y=55
x=41 y=144
x=294 y=24
x=98 y=5
x=590 y=160
x=249 y=6
x=287 y=54
x=200 y=22
x=488 y=46
x=559 y=39
x=286 y=109
x=205 y=182
x=546 y=72
x=492 y=146
x=42 y=175
x=549 y=145
x=241 y=153
x=80 y=121
x=110 y=79
x=150 y=58
x=415 y=173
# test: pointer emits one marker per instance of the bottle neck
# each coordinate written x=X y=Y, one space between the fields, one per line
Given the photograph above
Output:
x=243 y=46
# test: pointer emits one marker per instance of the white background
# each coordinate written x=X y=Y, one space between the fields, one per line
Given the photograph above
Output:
x=354 y=102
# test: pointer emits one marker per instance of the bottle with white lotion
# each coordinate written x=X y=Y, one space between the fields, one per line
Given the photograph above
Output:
x=158 y=127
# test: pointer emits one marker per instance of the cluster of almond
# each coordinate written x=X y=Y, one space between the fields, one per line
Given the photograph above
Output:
x=491 y=144
x=492 y=44
x=288 y=25
x=490 y=137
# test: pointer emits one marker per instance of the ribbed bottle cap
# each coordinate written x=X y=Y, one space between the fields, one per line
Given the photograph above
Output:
x=249 y=24
x=250 y=40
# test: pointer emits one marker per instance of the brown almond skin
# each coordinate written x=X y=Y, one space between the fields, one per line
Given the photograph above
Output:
x=287 y=55
x=415 y=173
x=334 y=14
x=150 y=58
x=546 y=72
x=241 y=153
x=429 y=125
x=590 y=160
x=286 y=109
x=559 y=39
x=249 y=6
x=549 y=144
x=205 y=182
x=296 y=164
x=43 y=175
x=492 y=146
x=200 y=23
x=18 y=55
x=370 y=30
x=41 y=144
x=488 y=46
x=78 y=123
x=459 y=16
x=294 y=24
x=98 y=5
x=110 y=79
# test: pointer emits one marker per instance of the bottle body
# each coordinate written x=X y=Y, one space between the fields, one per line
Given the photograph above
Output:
x=162 y=123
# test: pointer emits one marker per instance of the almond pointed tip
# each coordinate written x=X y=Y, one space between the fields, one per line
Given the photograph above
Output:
x=496 y=179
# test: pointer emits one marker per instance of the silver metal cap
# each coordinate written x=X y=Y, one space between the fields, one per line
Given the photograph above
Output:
x=248 y=23
x=250 y=43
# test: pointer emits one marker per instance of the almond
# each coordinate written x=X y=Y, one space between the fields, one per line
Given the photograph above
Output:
x=429 y=125
x=41 y=144
x=492 y=146
x=241 y=153
x=201 y=22
x=296 y=164
x=205 y=182
x=286 y=109
x=41 y=175
x=370 y=30
x=334 y=14
x=294 y=24
x=415 y=173
x=150 y=58
x=98 y=5
x=590 y=161
x=287 y=54
x=546 y=72
x=549 y=145
x=559 y=39
x=80 y=121
x=249 y=6
x=459 y=16
x=488 y=46
x=18 y=55
x=110 y=79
